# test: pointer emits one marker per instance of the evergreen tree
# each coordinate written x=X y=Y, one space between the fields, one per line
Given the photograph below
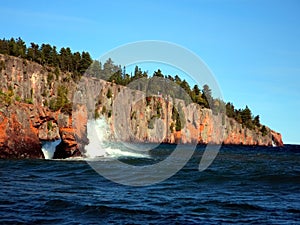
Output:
x=207 y=96
x=33 y=52
x=158 y=73
x=230 y=111
x=94 y=69
x=196 y=90
x=246 y=116
x=256 y=121
x=46 y=50
x=21 y=48
x=85 y=62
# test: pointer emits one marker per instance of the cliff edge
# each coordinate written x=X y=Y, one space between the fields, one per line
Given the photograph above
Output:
x=36 y=104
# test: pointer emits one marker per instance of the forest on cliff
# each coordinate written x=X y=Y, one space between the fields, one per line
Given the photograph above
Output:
x=78 y=64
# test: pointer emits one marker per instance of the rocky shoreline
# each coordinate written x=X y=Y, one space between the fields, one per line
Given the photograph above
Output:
x=28 y=88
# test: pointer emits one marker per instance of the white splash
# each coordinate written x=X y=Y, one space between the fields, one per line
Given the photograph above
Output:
x=98 y=133
x=49 y=147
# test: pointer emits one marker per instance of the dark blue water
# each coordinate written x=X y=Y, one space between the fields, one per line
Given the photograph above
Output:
x=244 y=185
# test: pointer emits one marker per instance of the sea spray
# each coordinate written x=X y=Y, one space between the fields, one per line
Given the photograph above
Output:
x=100 y=145
x=97 y=133
x=49 y=147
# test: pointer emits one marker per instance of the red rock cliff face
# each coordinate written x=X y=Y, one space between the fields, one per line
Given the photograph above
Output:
x=19 y=135
x=23 y=127
x=28 y=89
x=133 y=117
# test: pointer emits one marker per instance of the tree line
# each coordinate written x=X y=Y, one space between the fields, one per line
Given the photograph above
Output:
x=202 y=96
x=64 y=59
x=81 y=63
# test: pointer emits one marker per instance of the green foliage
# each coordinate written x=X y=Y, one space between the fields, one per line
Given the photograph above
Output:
x=61 y=101
x=178 y=117
x=172 y=127
x=246 y=116
x=264 y=130
x=57 y=72
x=2 y=65
x=109 y=68
x=50 y=77
x=67 y=108
x=94 y=70
x=158 y=109
x=5 y=98
x=243 y=116
x=158 y=73
x=29 y=101
x=77 y=64
x=50 y=125
x=256 y=121
x=109 y=93
x=18 y=98
x=53 y=105
x=207 y=96
x=103 y=109
x=10 y=91
x=44 y=93
x=47 y=55
x=178 y=125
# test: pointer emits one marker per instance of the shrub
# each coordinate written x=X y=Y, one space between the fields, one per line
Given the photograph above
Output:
x=18 y=98
x=109 y=93
x=103 y=109
x=50 y=77
x=264 y=130
x=172 y=127
x=49 y=125
x=29 y=100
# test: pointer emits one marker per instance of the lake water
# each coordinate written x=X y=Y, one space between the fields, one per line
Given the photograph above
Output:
x=257 y=185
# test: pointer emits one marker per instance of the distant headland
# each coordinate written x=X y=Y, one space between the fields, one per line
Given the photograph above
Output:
x=37 y=87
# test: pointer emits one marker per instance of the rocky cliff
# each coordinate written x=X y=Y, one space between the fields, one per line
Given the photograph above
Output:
x=36 y=105
x=134 y=117
x=29 y=96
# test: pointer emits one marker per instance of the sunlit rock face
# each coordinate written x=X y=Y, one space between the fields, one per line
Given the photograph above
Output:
x=28 y=90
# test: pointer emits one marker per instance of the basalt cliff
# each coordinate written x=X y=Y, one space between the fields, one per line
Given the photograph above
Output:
x=39 y=103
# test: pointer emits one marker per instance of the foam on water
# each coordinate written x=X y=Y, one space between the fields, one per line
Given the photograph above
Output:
x=49 y=147
x=98 y=133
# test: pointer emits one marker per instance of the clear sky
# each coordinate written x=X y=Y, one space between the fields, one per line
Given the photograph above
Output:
x=251 y=46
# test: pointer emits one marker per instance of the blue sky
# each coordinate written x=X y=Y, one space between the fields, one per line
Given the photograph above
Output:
x=251 y=46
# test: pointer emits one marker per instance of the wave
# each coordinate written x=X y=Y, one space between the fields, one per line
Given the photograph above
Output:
x=100 y=146
x=49 y=147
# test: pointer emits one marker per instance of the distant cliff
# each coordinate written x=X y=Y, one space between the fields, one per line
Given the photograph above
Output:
x=134 y=117
x=36 y=105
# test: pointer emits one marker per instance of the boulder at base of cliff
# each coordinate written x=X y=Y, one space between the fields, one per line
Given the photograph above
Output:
x=276 y=138
x=68 y=146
